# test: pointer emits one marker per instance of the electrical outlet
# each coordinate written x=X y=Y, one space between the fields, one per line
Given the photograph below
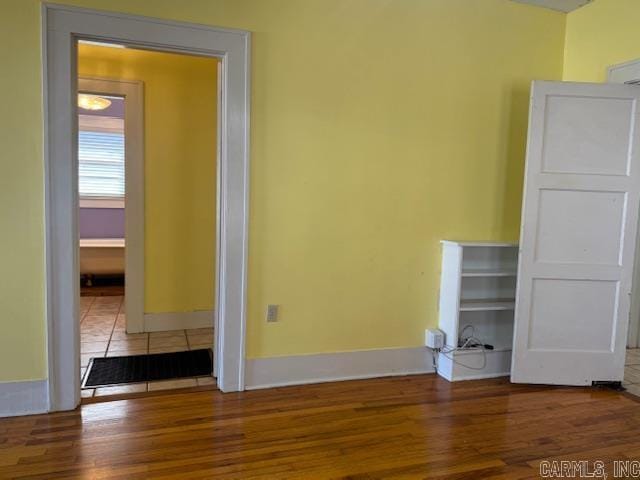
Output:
x=272 y=313
x=434 y=338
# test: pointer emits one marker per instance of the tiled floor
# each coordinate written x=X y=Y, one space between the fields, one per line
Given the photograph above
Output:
x=102 y=333
x=632 y=371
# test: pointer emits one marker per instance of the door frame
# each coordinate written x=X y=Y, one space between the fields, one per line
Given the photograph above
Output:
x=62 y=27
x=629 y=73
x=133 y=93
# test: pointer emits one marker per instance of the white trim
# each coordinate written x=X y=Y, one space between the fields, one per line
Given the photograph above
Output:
x=102 y=44
x=102 y=202
x=479 y=243
x=160 y=322
x=216 y=331
x=334 y=367
x=23 y=398
x=133 y=93
x=627 y=72
x=498 y=364
x=102 y=243
x=61 y=26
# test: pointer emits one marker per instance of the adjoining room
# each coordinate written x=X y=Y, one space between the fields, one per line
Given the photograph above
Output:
x=147 y=219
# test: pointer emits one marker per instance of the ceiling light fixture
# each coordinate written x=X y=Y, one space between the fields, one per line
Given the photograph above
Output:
x=92 y=102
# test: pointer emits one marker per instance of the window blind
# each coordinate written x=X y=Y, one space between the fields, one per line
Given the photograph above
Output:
x=101 y=159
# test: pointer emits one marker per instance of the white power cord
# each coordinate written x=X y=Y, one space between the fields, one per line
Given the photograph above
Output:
x=463 y=346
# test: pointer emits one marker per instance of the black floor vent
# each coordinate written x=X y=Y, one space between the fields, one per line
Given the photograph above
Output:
x=148 y=368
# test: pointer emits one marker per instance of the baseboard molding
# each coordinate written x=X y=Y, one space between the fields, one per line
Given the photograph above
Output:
x=158 y=322
x=23 y=398
x=332 y=367
x=469 y=365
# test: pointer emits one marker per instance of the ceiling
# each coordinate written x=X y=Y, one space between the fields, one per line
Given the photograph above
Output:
x=560 y=5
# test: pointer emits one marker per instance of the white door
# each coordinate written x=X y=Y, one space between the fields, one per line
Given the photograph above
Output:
x=578 y=236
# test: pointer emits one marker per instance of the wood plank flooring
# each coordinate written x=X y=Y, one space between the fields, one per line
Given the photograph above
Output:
x=403 y=427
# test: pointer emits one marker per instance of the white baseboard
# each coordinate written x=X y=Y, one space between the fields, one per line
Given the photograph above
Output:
x=469 y=365
x=332 y=367
x=158 y=322
x=23 y=398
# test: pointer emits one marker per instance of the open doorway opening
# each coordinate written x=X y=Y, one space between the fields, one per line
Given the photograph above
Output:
x=147 y=149
x=64 y=26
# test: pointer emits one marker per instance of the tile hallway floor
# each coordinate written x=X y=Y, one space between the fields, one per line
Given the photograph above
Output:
x=102 y=333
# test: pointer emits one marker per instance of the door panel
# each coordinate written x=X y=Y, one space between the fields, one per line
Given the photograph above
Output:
x=578 y=235
x=607 y=122
x=559 y=307
x=585 y=230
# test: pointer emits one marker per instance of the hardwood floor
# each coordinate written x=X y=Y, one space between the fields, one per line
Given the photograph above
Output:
x=403 y=427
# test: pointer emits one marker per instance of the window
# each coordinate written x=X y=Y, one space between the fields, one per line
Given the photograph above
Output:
x=101 y=153
x=101 y=157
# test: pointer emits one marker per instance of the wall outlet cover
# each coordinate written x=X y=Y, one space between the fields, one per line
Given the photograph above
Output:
x=272 y=313
x=434 y=338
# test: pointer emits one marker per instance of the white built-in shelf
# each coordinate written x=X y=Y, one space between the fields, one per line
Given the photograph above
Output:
x=475 y=351
x=486 y=272
x=477 y=296
x=480 y=244
x=486 y=305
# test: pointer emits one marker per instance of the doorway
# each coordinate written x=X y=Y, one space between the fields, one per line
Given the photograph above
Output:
x=111 y=193
x=64 y=26
x=170 y=198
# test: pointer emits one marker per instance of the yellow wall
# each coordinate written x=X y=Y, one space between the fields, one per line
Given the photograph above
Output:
x=180 y=169
x=378 y=128
x=601 y=34
x=22 y=323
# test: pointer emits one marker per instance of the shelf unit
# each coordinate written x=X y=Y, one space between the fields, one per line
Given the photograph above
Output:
x=477 y=291
x=486 y=305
